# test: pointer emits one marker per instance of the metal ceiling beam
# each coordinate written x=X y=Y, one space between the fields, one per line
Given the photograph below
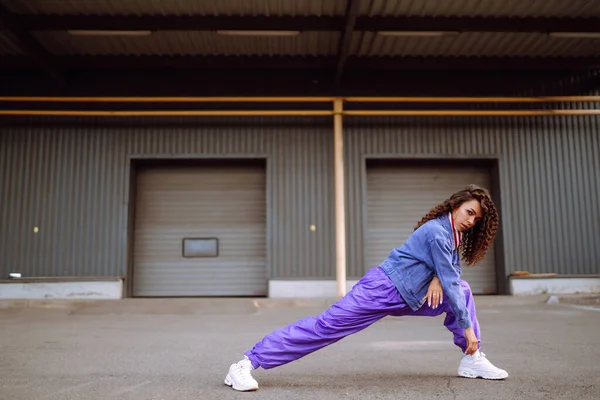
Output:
x=304 y=23
x=352 y=9
x=27 y=45
x=329 y=63
x=180 y=22
x=473 y=63
x=190 y=82
x=200 y=62
x=479 y=24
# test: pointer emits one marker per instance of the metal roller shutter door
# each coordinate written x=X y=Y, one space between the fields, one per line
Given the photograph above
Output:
x=224 y=202
x=399 y=196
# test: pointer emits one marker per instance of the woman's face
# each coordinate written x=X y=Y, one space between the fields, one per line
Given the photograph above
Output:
x=467 y=215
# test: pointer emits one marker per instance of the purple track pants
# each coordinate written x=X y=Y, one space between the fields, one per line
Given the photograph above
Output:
x=371 y=299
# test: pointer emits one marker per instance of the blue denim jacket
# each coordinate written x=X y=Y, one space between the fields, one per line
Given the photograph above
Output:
x=429 y=252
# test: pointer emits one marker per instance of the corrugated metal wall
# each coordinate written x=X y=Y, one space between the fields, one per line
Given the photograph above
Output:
x=549 y=181
x=72 y=182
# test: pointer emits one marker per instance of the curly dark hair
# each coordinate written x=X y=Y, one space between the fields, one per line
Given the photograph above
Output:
x=476 y=241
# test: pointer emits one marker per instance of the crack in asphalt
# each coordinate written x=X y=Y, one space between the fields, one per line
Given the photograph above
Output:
x=451 y=389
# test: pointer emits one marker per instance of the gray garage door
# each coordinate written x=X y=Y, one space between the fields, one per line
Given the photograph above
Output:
x=399 y=196
x=200 y=231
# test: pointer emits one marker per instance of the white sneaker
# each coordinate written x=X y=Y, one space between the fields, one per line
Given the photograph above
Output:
x=239 y=377
x=478 y=366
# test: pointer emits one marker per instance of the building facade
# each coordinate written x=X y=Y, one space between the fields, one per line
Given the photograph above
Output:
x=245 y=206
x=301 y=204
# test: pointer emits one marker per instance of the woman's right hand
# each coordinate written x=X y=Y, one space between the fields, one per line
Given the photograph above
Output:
x=471 y=341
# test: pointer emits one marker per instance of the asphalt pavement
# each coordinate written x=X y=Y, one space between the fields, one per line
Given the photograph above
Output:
x=182 y=348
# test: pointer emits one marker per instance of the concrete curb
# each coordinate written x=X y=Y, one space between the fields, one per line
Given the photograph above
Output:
x=583 y=299
x=165 y=306
x=227 y=305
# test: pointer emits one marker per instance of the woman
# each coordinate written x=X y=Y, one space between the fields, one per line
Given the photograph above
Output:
x=411 y=275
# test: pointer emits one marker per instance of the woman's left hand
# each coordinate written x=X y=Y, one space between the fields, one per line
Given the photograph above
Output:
x=434 y=293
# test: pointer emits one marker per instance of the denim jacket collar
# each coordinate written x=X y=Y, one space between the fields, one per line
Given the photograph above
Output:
x=448 y=223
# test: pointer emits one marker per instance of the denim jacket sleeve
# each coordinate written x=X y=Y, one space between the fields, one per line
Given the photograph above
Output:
x=441 y=252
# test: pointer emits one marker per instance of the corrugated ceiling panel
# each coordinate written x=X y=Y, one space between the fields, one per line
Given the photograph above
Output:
x=188 y=43
x=6 y=47
x=474 y=44
x=506 y=8
x=509 y=8
x=180 y=7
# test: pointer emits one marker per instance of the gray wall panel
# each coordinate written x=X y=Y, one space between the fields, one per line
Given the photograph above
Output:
x=71 y=179
x=549 y=181
x=64 y=184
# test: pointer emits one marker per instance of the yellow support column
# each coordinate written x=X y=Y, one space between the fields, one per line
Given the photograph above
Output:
x=340 y=213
